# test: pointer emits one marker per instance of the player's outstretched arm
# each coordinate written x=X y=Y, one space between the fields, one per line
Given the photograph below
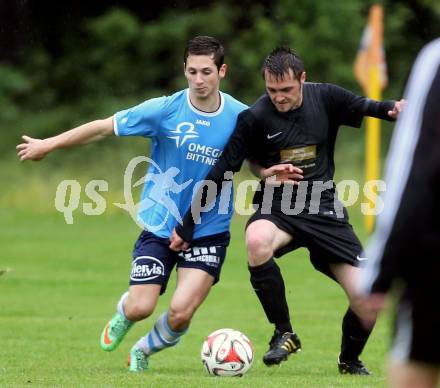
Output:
x=37 y=149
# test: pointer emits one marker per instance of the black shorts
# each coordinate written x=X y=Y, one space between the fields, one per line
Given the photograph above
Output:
x=416 y=326
x=329 y=239
x=153 y=260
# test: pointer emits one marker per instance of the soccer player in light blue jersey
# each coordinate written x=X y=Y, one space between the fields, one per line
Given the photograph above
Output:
x=188 y=130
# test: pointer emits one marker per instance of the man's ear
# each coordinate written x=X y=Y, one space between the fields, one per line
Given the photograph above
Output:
x=222 y=71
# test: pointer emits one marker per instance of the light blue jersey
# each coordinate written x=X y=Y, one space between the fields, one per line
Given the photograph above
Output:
x=186 y=143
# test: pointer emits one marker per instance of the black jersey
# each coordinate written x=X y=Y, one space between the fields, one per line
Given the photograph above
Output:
x=305 y=136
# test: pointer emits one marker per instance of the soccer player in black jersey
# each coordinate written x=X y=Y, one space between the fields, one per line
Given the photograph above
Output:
x=403 y=251
x=290 y=134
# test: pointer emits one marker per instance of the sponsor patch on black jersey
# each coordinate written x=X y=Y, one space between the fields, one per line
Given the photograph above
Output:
x=303 y=157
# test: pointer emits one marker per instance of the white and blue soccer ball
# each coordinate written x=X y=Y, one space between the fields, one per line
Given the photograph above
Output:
x=227 y=352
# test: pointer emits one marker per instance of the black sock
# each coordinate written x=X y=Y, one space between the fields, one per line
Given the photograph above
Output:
x=269 y=286
x=354 y=337
x=285 y=327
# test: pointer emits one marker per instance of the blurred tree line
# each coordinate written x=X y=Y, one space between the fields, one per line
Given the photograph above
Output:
x=65 y=63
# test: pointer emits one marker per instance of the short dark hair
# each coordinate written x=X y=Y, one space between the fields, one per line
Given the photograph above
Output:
x=280 y=60
x=205 y=45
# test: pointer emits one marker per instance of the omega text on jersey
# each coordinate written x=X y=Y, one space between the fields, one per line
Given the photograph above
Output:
x=203 y=154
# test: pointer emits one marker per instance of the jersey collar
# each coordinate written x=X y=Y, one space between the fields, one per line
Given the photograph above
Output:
x=207 y=114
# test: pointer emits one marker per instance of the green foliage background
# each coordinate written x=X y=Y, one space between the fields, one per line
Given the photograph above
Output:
x=114 y=60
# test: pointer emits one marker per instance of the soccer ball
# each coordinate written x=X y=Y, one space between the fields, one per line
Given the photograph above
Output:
x=227 y=352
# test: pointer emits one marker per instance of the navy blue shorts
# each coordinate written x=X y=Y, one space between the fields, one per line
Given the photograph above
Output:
x=153 y=260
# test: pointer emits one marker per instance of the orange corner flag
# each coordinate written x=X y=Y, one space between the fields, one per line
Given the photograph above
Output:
x=371 y=52
x=370 y=71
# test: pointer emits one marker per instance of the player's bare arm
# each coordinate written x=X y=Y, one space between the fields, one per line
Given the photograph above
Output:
x=37 y=149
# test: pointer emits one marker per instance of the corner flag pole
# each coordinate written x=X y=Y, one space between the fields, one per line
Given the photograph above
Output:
x=372 y=145
x=370 y=71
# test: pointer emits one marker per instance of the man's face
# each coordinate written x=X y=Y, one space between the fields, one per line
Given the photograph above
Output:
x=285 y=93
x=203 y=76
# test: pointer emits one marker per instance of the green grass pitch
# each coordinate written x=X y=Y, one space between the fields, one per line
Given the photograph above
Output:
x=63 y=281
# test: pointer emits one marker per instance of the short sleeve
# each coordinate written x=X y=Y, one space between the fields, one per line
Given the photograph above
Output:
x=140 y=120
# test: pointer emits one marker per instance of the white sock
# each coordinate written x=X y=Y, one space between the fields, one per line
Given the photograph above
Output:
x=160 y=337
x=120 y=306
